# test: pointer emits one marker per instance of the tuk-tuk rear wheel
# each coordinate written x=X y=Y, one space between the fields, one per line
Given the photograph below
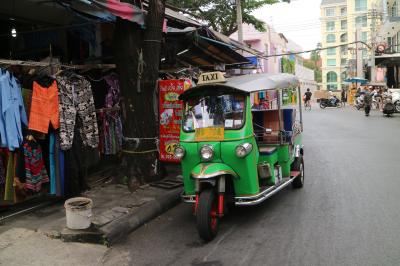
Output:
x=207 y=215
x=298 y=165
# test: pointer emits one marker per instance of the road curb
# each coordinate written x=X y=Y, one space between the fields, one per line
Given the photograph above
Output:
x=121 y=227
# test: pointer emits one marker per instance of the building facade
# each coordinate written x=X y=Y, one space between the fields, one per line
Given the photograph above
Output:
x=271 y=43
x=344 y=22
x=387 y=58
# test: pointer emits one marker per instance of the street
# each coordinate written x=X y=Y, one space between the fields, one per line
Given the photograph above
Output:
x=347 y=213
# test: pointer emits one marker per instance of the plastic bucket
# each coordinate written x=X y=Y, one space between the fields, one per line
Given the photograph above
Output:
x=78 y=212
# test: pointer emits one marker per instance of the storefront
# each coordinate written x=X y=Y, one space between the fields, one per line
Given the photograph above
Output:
x=63 y=100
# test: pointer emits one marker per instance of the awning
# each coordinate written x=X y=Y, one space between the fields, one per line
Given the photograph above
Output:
x=108 y=10
x=356 y=80
x=205 y=48
x=388 y=59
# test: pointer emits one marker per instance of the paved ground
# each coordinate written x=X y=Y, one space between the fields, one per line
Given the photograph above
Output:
x=347 y=214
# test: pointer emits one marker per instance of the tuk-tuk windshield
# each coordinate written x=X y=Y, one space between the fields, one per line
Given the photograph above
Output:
x=214 y=111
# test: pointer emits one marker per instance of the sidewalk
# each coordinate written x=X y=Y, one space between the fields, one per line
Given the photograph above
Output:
x=116 y=213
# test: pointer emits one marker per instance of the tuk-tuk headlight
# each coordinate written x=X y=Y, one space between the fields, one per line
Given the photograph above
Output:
x=179 y=152
x=243 y=150
x=207 y=152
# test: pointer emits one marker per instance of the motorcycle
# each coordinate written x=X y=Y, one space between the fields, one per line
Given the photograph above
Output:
x=335 y=102
x=396 y=100
x=359 y=102
x=388 y=106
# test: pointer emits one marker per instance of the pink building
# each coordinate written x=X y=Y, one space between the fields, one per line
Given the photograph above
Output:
x=269 y=43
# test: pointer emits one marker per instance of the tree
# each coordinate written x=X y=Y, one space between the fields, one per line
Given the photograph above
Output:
x=314 y=63
x=221 y=15
x=137 y=56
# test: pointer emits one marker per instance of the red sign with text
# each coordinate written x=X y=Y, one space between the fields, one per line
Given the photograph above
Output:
x=170 y=116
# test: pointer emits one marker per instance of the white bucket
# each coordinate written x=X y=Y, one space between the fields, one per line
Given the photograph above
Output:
x=79 y=212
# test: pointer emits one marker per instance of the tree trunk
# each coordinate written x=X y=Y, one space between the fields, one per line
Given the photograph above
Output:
x=138 y=83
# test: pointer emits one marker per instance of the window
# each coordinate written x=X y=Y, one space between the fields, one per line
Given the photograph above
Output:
x=343 y=11
x=361 y=21
x=330 y=38
x=330 y=12
x=343 y=37
x=343 y=76
x=389 y=42
x=214 y=111
x=331 y=62
x=343 y=24
x=364 y=53
x=344 y=49
x=364 y=36
x=330 y=26
x=331 y=77
x=331 y=87
x=393 y=10
x=343 y=62
x=361 y=5
x=331 y=51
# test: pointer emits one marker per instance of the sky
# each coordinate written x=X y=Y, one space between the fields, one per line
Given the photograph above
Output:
x=298 y=21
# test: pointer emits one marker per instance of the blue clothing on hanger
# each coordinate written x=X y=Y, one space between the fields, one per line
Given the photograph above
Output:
x=12 y=112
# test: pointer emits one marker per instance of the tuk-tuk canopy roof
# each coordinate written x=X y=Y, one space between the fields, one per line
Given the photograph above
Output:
x=249 y=83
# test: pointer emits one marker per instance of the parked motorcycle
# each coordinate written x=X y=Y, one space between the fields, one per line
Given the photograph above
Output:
x=335 y=102
x=396 y=100
x=388 y=106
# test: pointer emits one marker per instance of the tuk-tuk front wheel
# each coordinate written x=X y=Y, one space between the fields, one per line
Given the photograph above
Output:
x=207 y=215
x=298 y=165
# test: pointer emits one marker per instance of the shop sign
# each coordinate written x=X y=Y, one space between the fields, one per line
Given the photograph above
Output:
x=170 y=116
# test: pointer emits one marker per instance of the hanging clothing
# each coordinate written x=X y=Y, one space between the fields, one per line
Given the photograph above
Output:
x=44 y=108
x=27 y=100
x=113 y=93
x=76 y=98
x=13 y=113
x=2 y=169
x=111 y=135
x=9 y=190
x=53 y=181
x=36 y=174
x=75 y=165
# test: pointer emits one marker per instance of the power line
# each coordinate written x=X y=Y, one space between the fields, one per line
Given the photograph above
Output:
x=314 y=50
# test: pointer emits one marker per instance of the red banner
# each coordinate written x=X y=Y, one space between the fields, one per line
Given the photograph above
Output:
x=170 y=116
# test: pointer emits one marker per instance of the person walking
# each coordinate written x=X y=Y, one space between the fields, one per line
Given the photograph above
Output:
x=344 y=96
x=367 y=102
x=307 y=99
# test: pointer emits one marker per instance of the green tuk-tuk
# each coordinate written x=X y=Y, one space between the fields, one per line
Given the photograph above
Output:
x=240 y=143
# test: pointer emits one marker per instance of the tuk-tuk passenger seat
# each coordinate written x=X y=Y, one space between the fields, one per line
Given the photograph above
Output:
x=271 y=121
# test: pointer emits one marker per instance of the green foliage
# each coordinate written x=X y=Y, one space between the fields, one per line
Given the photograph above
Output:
x=314 y=63
x=221 y=14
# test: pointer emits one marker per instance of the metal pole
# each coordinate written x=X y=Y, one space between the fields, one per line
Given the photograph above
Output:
x=239 y=20
x=300 y=110
x=280 y=116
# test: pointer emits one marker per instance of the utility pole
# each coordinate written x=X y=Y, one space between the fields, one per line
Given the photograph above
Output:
x=359 y=58
x=373 y=45
x=239 y=20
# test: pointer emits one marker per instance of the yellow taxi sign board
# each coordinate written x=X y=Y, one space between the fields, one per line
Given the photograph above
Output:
x=211 y=77
x=209 y=134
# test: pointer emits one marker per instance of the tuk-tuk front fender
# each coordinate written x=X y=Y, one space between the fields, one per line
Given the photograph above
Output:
x=210 y=170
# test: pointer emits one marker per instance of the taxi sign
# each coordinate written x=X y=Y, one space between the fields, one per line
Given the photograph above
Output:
x=211 y=77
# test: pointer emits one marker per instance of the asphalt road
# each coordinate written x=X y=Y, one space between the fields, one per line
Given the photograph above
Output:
x=348 y=213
